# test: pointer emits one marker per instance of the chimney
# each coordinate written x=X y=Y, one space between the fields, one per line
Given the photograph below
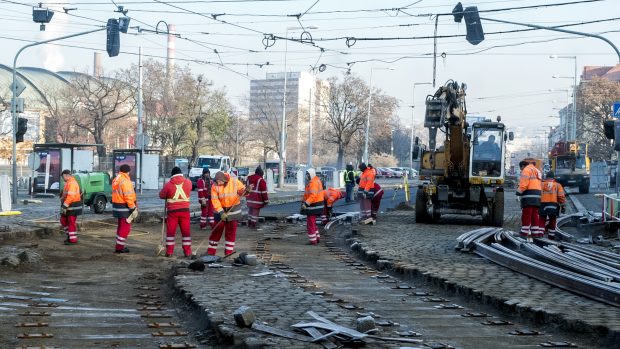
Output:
x=171 y=49
x=97 y=65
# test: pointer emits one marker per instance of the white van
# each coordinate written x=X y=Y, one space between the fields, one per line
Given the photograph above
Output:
x=215 y=163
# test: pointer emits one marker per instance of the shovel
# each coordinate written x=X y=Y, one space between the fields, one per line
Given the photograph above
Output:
x=207 y=237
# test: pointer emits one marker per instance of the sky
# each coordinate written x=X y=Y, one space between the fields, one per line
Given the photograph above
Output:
x=508 y=74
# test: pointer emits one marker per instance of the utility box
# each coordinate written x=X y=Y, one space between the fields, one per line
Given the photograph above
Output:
x=144 y=166
x=54 y=158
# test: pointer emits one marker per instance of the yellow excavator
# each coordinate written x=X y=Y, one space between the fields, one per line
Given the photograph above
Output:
x=465 y=175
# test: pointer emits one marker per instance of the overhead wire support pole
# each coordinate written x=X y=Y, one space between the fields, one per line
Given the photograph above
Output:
x=558 y=30
x=13 y=101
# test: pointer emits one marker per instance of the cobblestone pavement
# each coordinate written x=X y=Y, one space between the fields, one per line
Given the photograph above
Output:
x=327 y=280
x=428 y=251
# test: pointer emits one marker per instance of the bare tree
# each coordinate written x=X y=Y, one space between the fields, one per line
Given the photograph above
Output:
x=594 y=105
x=101 y=101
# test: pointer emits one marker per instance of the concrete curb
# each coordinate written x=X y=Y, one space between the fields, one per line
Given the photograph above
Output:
x=538 y=315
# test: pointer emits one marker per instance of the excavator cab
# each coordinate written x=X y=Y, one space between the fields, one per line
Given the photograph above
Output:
x=487 y=153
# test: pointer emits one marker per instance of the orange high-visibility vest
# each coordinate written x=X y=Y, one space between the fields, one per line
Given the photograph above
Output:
x=227 y=195
x=332 y=195
x=314 y=192
x=552 y=192
x=367 y=180
x=530 y=186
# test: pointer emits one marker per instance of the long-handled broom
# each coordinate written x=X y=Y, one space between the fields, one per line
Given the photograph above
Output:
x=161 y=246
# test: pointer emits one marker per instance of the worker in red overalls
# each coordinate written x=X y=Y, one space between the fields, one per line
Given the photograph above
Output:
x=529 y=192
x=203 y=184
x=312 y=205
x=257 y=198
x=226 y=198
x=375 y=202
x=123 y=205
x=551 y=204
x=176 y=193
x=331 y=195
x=71 y=207
x=365 y=191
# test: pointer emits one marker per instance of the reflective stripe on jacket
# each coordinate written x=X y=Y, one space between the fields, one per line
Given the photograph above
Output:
x=258 y=198
x=367 y=180
x=331 y=196
x=177 y=193
x=552 y=197
x=71 y=198
x=530 y=186
x=349 y=177
x=123 y=195
x=224 y=197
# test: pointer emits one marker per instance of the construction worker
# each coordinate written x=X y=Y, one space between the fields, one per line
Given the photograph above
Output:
x=203 y=185
x=312 y=205
x=551 y=204
x=375 y=202
x=176 y=193
x=349 y=181
x=529 y=192
x=226 y=196
x=71 y=207
x=258 y=197
x=123 y=205
x=365 y=191
x=330 y=195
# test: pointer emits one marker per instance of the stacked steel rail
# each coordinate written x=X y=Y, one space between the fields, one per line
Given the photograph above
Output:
x=582 y=270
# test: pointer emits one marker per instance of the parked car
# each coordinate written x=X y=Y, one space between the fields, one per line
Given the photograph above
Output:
x=384 y=172
x=398 y=172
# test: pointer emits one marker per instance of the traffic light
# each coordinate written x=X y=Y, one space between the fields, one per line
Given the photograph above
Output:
x=22 y=127
x=475 y=34
x=113 y=42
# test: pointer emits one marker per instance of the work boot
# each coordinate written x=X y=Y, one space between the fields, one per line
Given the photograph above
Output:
x=190 y=256
x=124 y=250
x=168 y=255
x=67 y=242
x=367 y=221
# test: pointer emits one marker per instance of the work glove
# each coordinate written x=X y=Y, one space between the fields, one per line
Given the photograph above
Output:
x=63 y=210
x=133 y=213
x=563 y=209
x=366 y=194
x=303 y=206
x=518 y=198
x=203 y=202
x=224 y=216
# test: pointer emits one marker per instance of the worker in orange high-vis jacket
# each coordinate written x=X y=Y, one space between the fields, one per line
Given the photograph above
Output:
x=529 y=192
x=123 y=205
x=365 y=191
x=551 y=205
x=312 y=205
x=71 y=207
x=176 y=193
x=258 y=198
x=203 y=185
x=330 y=195
x=226 y=196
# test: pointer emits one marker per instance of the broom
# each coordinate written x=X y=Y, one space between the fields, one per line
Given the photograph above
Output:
x=160 y=247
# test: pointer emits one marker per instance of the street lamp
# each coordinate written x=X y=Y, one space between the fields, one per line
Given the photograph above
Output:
x=412 y=118
x=365 y=157
x=282 y=169
x=566 y=121
x=573 y=134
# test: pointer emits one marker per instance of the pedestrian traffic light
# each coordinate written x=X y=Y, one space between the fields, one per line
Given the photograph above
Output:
x=22 y=127
x=475 y=34
x=113 y=42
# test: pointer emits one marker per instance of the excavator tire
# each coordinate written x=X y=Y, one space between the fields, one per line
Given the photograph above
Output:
x=420 y=207
x=497 y=214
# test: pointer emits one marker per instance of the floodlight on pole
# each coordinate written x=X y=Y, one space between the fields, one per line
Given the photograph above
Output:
x=365 y=156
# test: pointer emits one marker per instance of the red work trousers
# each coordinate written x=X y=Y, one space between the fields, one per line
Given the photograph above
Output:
x=122 y=232
x=206 y=214
x=529 y=220
x=180 y=219
x=69 y=225
x=313 y=230
x=253 y=214
x=549 y=225
x=230 y=237
x=375 y=202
